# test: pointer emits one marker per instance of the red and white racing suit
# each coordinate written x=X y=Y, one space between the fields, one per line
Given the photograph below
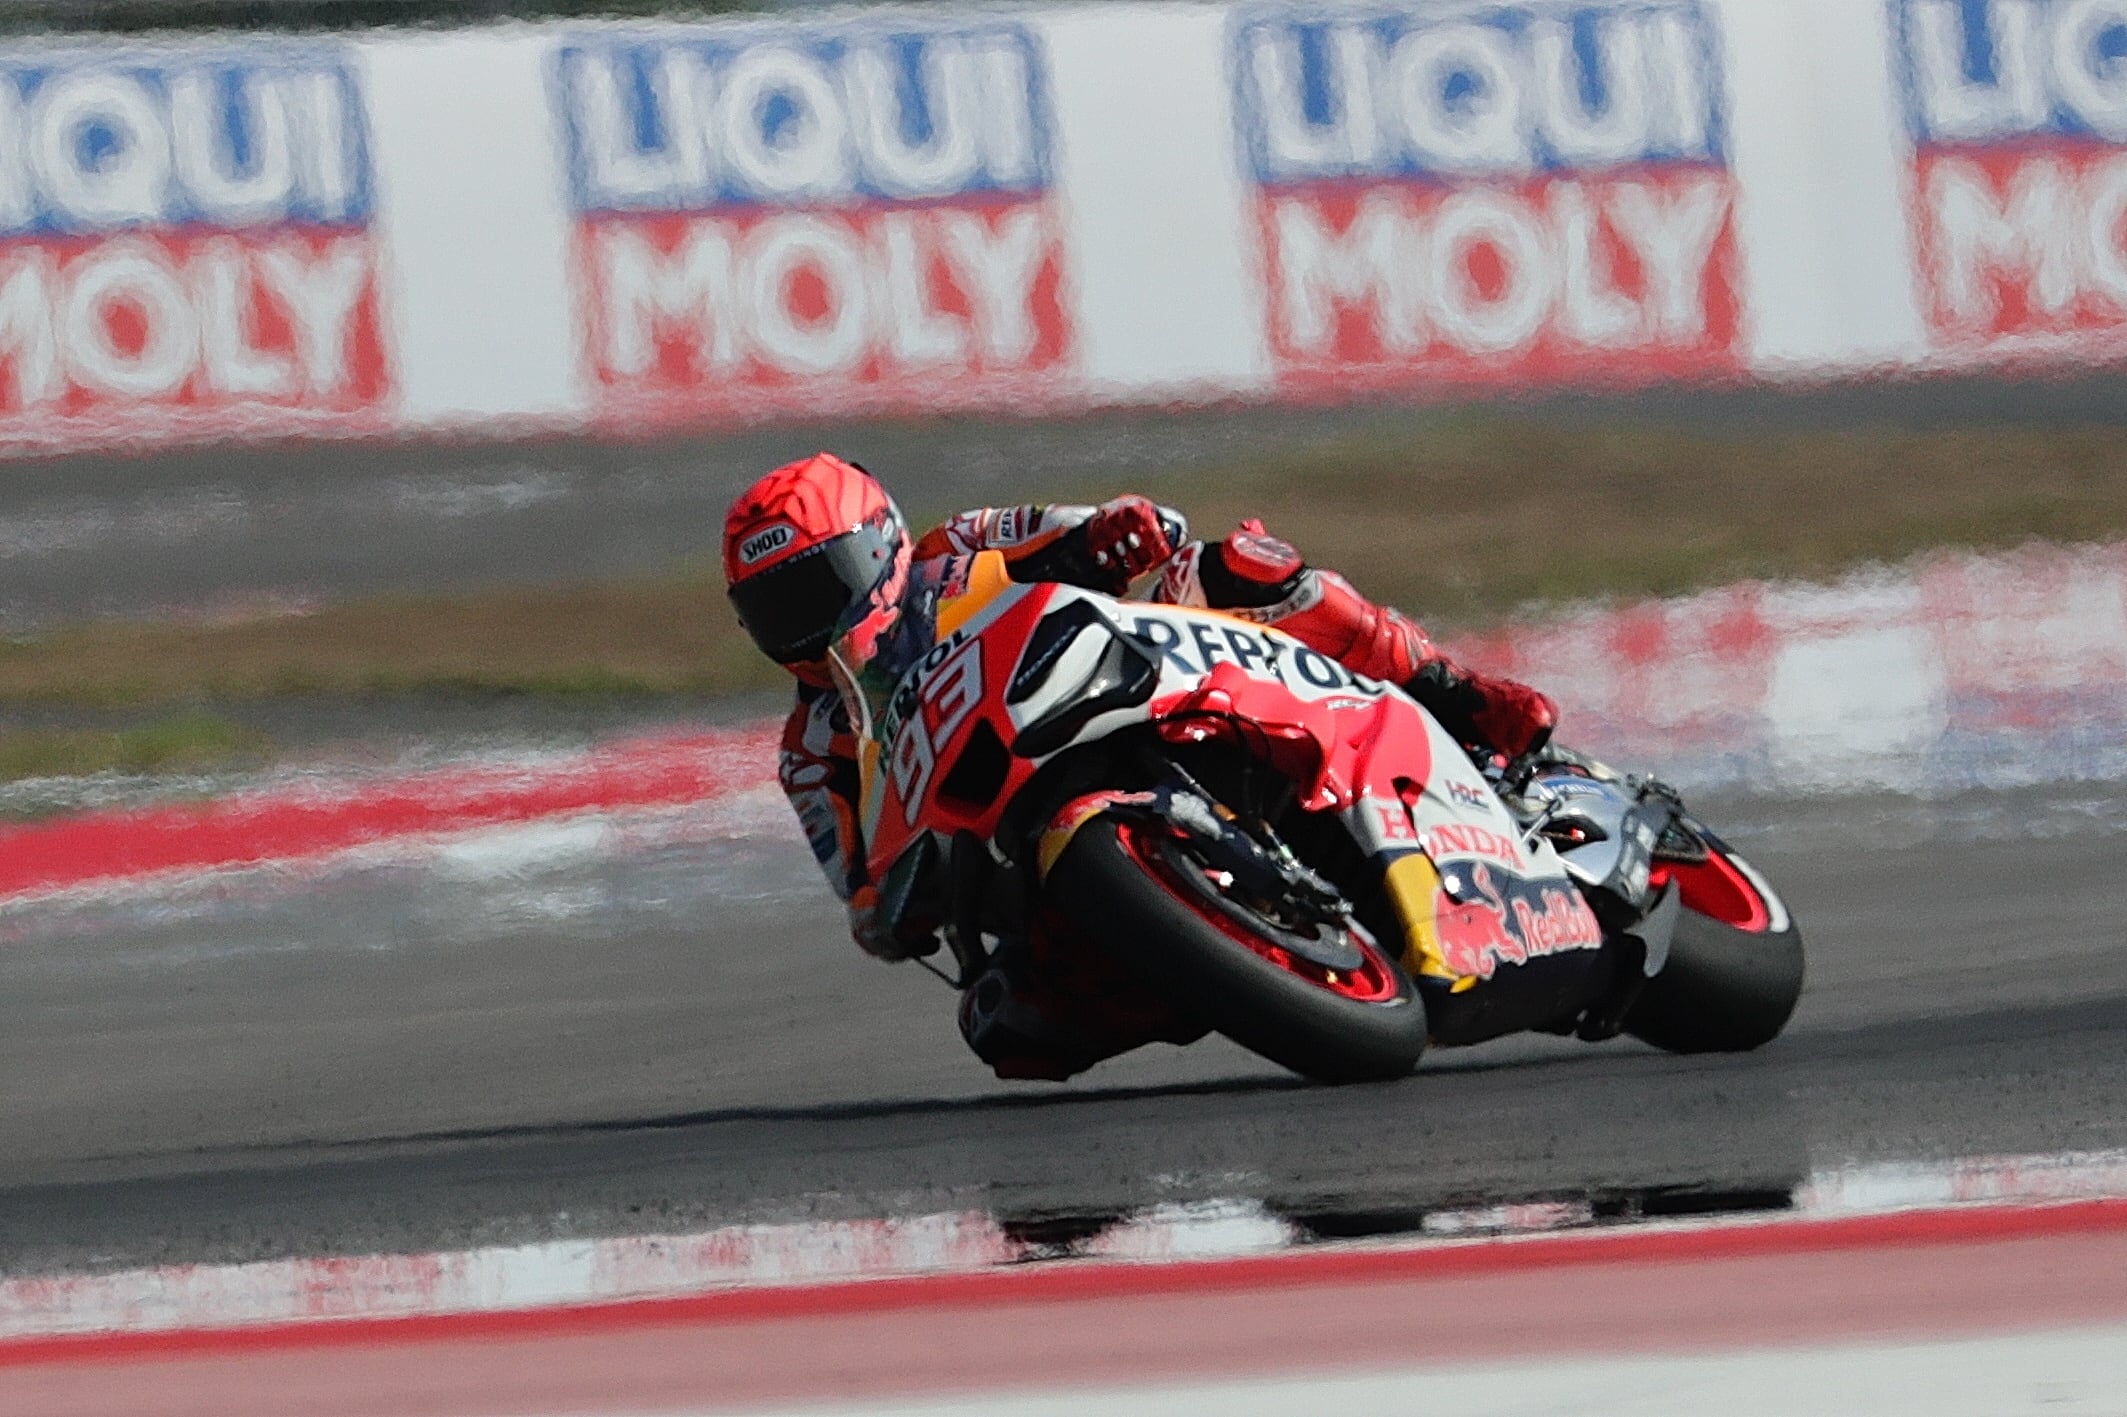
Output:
x=1052 y=1016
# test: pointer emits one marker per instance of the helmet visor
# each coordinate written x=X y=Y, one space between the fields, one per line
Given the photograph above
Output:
x=795 y=610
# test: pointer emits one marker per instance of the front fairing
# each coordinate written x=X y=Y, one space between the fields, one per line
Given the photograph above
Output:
x=867 y=685
x=947 y=745
x=930 y=703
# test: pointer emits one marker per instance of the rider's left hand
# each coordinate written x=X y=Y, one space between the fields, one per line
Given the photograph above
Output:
x=1127 y=537
x=1514 y=717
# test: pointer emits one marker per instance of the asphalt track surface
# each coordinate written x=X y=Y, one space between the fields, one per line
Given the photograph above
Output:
x=503 y=1044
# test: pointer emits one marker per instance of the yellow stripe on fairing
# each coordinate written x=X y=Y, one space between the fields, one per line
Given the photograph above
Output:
x=1061 y=833
x=987 y=579
x=1413 y=887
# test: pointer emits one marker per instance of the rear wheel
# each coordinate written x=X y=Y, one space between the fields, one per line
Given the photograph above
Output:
x=1233 y=963
x=1734 y=972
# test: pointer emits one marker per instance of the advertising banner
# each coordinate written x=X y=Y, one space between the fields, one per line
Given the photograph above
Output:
x=1490 y=193
x=2018 y=115
x=797 y=219
x=185 y=246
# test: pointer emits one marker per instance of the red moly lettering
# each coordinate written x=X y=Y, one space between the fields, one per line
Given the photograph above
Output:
x=195 y=322
x=2016 y=243
x=715 y=308
x=1510 y=277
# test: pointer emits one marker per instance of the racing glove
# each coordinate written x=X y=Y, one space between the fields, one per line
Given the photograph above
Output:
x=1127 y=537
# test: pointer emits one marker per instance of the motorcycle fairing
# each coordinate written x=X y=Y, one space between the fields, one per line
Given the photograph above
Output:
x=922 y=704
x=1473 y=896
x=1620 y=835
x=1476 y=901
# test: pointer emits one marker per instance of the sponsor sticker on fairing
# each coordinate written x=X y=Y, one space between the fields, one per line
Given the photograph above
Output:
x=185 y=245
x=1487 y=917
x=772 y=216
x=1450 y=840
x=1193 y=645
x=2017 y=111
x=1468 y=794
x=1485 y=192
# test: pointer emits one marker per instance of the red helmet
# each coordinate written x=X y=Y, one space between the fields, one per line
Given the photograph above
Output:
x=816 y=553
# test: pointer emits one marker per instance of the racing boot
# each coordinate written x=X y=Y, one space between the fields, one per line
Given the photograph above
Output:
x=1505 y=715
x=1259 y=577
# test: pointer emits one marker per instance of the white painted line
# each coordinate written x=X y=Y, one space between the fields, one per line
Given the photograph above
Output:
x=517 y=1278
x=497 y=1279
x=1876 y=1187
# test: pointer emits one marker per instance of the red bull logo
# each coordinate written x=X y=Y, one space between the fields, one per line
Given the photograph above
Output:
x=1485 y=919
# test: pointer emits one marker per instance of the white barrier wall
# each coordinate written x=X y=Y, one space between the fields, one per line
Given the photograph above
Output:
x=633 y=228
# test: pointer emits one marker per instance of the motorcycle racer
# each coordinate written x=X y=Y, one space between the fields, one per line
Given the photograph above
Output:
x=821 y=571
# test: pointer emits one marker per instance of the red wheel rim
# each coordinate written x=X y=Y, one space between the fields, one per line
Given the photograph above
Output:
x=1716 y=889
x=1374 y=982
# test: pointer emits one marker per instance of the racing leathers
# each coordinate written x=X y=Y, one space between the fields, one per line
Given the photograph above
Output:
x=1050 y=1013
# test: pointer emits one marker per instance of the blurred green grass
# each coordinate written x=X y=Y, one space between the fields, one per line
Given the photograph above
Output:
x=187 y=742
x=1494 y=516
x=1485 y=517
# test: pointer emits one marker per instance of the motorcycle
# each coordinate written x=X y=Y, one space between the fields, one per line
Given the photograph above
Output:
x=1280 y=850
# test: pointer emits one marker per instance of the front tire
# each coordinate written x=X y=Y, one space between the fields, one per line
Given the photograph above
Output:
x=1216 y=958
x=1725 y=988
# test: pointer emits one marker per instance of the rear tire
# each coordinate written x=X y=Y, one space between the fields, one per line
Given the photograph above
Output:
x=1100 y=885
x=1724 y=990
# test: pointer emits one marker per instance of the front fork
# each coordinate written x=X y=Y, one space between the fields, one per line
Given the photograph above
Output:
x=970 y=873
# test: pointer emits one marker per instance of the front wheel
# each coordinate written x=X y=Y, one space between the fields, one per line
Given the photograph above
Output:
x=1734 y=972
x=1221 y=958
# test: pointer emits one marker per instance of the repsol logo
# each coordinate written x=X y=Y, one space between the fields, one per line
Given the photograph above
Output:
x=1193 y=646
x=915 y=683
x=763 y=544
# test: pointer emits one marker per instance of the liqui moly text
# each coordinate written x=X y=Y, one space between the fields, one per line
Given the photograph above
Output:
x=1481 y=193
x=2018 y=115
x=185 y=246
x=767 y=218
